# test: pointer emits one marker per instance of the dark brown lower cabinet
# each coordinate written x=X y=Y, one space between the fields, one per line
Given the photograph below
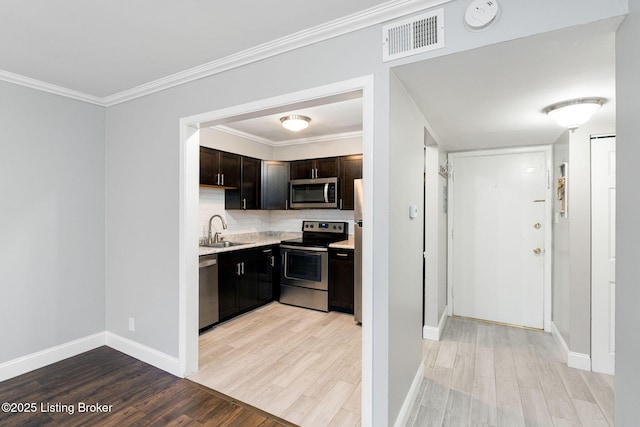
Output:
x=341 y=269
x=245 y=280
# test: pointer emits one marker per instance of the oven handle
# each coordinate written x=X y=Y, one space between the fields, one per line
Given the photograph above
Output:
x=326 y=193
x=304 y=248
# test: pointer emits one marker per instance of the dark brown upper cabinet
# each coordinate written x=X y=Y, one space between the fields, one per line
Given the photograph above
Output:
x=315 y=168
x=219 y=168
x=247 y=193
x=350 y=169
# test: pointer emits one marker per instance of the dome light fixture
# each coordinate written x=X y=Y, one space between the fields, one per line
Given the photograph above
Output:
x=295 y=122
x=574 y=113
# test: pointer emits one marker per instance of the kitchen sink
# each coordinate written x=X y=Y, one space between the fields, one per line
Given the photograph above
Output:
x=224 y=244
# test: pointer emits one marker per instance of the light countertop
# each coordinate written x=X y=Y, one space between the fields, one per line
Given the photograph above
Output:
x=253 y=240
x=344 y=244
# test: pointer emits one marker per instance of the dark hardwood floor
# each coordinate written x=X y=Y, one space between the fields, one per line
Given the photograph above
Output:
x=128 y=391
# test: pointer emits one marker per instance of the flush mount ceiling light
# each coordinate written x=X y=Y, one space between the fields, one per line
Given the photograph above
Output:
x=295 y=122
x=572 y=114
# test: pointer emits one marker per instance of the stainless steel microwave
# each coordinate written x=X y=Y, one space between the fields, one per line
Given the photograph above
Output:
x=319 y=193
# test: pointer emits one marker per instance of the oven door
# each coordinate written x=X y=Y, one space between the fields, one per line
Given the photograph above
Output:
x=305 y=267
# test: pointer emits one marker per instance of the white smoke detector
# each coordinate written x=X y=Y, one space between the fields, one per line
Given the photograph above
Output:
x=481 y=13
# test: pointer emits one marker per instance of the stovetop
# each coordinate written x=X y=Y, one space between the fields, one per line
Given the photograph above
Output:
x=320 y=234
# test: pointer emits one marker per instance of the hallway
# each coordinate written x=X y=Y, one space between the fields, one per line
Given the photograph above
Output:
x=487 y=374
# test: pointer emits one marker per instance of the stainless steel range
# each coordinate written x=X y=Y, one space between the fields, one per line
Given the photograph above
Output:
x=305 y=264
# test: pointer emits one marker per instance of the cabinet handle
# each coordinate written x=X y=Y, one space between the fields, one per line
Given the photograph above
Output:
x=339 y=254
x=266 y=251
x=340 y=203
x=238 y=269
x=222 y=179
x=217 y=179
x=316 y=172
x=273 y=261
x=242 y=267
x=244 y=204
x=286 y=204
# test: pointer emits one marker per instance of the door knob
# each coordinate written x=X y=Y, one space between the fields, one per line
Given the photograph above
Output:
x=537 y=226
x=537 y=251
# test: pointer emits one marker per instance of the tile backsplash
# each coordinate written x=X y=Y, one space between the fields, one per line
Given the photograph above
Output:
x=239 y=221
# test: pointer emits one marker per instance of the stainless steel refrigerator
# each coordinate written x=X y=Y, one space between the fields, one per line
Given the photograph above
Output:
x=357 y=234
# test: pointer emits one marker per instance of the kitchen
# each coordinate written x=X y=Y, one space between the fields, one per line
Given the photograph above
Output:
x=289 y=347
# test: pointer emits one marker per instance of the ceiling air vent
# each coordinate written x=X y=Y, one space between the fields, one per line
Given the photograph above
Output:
x=412 y=36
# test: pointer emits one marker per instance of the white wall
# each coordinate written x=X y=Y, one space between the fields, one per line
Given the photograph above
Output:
x=143 y=160
x=330 y=148
x=52 y=273
x=214 y=138
x=252 y=221
x=627 y=379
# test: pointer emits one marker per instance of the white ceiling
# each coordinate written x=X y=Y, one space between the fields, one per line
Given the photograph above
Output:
x=494 y=96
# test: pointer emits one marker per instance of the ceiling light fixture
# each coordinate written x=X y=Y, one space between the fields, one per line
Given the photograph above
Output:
x=295 y=122
x=572 y=114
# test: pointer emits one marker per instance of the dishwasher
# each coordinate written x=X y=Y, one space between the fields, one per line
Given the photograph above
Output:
x=208 y=283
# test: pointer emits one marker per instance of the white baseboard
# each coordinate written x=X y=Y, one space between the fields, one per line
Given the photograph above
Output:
x=573 y=359
x=579 y=361
x=146 y=354
x=434 y=333
x=45 y=357
x=410 y=400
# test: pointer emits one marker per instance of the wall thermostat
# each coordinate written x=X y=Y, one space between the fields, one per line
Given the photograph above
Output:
x=413 y=211
x=481 y=13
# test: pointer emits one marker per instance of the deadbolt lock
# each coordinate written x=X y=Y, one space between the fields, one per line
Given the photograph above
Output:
x=537 y=226
x=537 y=251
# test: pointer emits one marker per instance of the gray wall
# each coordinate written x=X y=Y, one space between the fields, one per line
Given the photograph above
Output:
x=561 y=260
x=406 y=141
x=52 y=220
x=627 y=381
x=579 y=303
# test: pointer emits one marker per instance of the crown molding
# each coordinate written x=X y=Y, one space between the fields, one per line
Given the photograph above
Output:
x=266 y=141
x=334 y=137
x=245 y=135
x=375 y=15
x=384 y=12
x=50 y=88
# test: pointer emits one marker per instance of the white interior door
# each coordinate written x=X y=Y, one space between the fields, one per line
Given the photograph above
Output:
x=498 y=237
x=603 y=254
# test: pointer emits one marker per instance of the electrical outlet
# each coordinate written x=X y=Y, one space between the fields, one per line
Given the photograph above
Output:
x=132 y=324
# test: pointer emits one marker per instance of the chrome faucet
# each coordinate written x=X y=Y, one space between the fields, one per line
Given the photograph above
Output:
x=217 y=235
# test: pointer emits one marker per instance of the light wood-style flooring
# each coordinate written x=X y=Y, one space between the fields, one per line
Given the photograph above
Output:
x=494 y=375
x=301 y=365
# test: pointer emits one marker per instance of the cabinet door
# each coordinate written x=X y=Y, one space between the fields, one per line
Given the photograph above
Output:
x=266 y=265
x=231 y=169
x=227 y=283
x=247 y=290
x=275 y=185
x=327 y=167
x=341 y=280
x=350 y=169
x=250 y=195
x=301 y=169
x=209 y=166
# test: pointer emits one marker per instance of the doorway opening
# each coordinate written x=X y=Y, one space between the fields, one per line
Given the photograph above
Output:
x=190 y=129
